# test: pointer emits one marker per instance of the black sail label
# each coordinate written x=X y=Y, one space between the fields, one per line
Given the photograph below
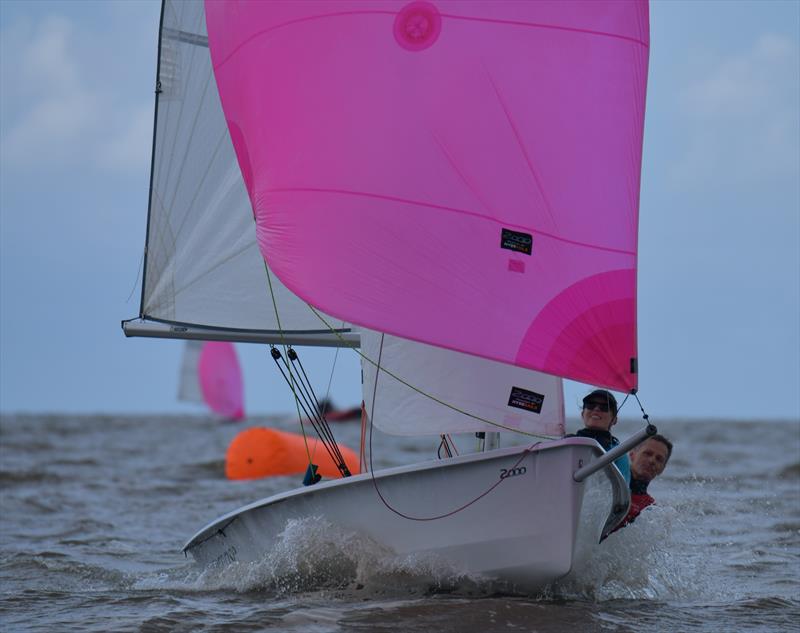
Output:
x=516 y=241
x=527 y=400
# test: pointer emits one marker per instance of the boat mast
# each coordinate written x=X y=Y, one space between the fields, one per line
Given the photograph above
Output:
x=488 y=440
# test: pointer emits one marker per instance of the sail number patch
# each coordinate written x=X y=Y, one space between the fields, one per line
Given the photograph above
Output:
x=516 y=241
x=525 y=399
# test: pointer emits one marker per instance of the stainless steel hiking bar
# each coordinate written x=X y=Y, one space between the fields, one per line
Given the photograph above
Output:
x=632 y=442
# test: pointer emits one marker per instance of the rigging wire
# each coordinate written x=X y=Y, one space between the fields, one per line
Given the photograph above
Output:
x=326 y=401
x=138 y=274
x=291 y=383
x=309 y=402
x=319 y=415
x=443 y=445
x=645 y=417
x=633 y=393
x=362 y=458
x=305 y=399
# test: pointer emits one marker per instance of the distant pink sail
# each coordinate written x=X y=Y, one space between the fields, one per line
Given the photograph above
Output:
x=221 y=379
x=465 y=174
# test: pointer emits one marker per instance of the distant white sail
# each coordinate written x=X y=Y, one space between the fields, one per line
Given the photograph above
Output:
x=188 y=380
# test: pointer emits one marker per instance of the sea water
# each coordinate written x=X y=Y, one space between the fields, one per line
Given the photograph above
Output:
x=94 y=511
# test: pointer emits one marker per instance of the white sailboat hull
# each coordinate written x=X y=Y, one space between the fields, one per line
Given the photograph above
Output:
x=513 y=515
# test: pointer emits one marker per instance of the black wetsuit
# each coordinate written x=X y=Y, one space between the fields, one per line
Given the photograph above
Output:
x=608 y=441
x=604 y=438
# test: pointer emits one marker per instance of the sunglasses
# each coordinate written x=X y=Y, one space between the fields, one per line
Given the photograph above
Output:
x=602 y=406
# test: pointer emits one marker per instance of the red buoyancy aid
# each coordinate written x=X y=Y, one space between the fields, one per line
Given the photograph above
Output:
x=638 y=503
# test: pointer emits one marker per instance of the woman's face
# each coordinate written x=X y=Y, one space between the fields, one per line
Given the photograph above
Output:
x=596 y=414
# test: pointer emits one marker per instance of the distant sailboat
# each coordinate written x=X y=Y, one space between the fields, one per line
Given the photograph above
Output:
x=461 y=179
x=211 y=374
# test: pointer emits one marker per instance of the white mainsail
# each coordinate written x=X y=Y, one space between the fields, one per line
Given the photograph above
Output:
x=204 y=276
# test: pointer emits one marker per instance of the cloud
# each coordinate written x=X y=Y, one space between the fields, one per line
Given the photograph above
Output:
x=51 y=129
x=54 y=112
x=130 y=146
x=744 y=85
x=741 y=118
x=47 y=57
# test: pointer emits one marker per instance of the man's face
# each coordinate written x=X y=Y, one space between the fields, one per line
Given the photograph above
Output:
x=648 y=460
x=596 y=414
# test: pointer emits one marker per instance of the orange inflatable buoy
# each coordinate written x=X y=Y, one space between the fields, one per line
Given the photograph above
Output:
x=261 y=452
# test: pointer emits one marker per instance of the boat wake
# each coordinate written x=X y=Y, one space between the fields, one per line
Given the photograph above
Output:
x=313 y=555
x=642 y=562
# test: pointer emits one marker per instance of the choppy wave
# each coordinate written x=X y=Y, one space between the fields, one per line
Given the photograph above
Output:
x=214 y=468
x=95 y=509
x=791 y=471
x=22 y=477
x=49 y=570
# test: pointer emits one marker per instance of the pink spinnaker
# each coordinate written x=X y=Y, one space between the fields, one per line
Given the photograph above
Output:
x=465 y=174
x=221 y=379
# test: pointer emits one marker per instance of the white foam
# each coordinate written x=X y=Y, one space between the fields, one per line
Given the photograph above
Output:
x=313 y=555
x=651 y=559
x=645 y=561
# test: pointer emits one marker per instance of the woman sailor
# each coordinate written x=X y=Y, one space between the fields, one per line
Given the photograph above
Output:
x=599 y=414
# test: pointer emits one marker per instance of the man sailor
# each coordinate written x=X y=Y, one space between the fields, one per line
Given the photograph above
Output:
x=648 y=461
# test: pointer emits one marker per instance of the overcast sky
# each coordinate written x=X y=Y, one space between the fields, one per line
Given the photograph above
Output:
x=719 y=276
